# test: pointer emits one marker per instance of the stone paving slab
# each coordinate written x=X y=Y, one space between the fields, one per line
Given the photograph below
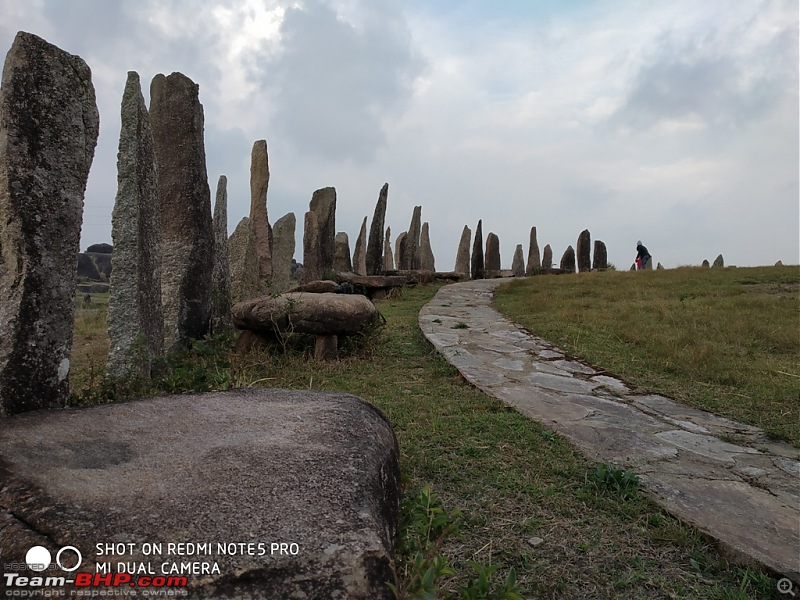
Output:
x=743 y=490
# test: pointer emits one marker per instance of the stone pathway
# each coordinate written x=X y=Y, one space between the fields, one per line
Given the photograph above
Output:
x=725 y=478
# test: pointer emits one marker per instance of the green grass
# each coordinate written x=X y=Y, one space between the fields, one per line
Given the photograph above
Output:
x=512 y=479
x=723 y=340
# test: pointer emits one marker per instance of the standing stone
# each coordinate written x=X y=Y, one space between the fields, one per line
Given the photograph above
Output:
x=568 y=260
x=187 y=238
x=259 y=220
x=778 y=263
x=388 y=261
x=243 y=262
x=48 y=132
x=411 y=253
x=462 y=255
x=400 y=251
x=547 y=257
x=135 y=316
x=283 y=252
x=584 y=256
x=341 y=255
x=426 y=259
x=518 y=264
x=221 y=276
x=492 y=256
x=534 y=262
x=323 y=204
x=659 y=267
x=375 y=243
x=312 y=263
x=477 y=253
x=600 y=258
x=360 y=252
x=719 y=261
x=706 y=264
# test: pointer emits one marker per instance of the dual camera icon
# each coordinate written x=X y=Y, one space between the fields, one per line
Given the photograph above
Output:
x=39 y=558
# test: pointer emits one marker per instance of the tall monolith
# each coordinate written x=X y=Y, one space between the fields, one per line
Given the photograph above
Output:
x=568 y=260
x=323 y=204
x=518 y=263
x=187 y=238
x=718 y=262
x=388 y=260
x=411 y=241
x=341 y=254
x=492 y=256
x=477 y=266
x=534 y=262
x=375 y=242
x=259 y=217
x=221 y=275
x=244 y=262
x=135 y=315
x=584 y=251
x=547 y=257
x=400 y=250
x=312 y=257
x=462 y=254
x=283 y=252
x=48 y=132
x=360 y=251
x=427 y=262
x=600 y=256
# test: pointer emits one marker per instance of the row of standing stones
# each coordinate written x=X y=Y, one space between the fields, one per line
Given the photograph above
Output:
x=176 y=274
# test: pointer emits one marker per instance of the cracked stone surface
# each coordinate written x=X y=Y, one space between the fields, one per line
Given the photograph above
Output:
x=725 y=478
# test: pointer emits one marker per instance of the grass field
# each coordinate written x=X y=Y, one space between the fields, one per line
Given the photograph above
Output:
x=724 y=340
x=529 y=500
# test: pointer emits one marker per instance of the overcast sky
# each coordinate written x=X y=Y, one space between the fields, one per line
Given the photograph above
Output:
x=670 y=121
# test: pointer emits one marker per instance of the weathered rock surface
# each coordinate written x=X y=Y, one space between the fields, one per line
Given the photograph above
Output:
x=259 y=218
x=317 y=314
x=341 y=254
x=243 y=261
x=706 y=264
x=779 y=263
x=518 y=263
x=427 y=262
x=48 y=132
x=312 y=257
x=462 y=254
x=374 y=286
x=187 y=238
x=323 y=204
x=375 y=243
x=492 y=256
x=101 y=248
x=135 y=316
x=360 y=251
x=283 y=234
x=320 y=286
x=547 y=257
x=534 y=259
x=584 y=246
x=87 y=267
x=388 y=260
x=477 y=264
x=600 y=257
x=400 y=250
x=247 y=466
x=568 y=260
x=719 y=261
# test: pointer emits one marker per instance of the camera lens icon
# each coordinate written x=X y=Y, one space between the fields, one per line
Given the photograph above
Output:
x=38 y=558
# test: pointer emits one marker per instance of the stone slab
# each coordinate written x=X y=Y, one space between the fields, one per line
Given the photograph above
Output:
x=245 y=467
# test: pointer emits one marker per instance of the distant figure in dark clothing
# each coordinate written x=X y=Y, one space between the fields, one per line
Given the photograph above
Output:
x=642 y=256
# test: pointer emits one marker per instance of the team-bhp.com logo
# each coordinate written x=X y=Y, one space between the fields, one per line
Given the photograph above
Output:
x=68 y=559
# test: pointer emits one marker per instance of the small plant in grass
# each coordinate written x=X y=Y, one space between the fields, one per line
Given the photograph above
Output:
x=424 y=526
x=616 y=480
x=460 y=325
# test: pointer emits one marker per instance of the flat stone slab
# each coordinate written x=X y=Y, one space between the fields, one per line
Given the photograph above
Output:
x=745 y=495
x=294 y=492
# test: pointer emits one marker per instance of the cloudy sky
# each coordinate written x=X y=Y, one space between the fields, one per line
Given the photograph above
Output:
x=670 y=121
